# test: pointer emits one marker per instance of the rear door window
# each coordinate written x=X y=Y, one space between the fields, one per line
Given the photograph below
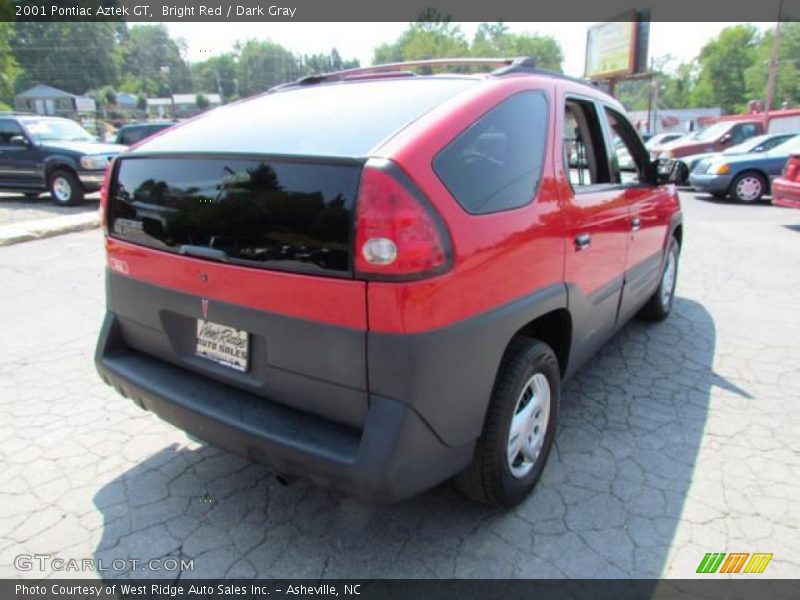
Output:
x=628 y=156
x=496 y=164
x=584 y=150
x=281 y=215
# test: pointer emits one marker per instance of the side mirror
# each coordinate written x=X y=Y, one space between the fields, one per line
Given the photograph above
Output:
x=653 y=175
x=726 y=139
x=19 y=140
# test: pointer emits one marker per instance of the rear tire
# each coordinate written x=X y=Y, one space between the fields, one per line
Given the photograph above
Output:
x=519 y=427
x=659 y=305
x=65 y=189
x=748 y=188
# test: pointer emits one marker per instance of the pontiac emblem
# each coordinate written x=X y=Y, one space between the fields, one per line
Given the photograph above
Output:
x=204 y=302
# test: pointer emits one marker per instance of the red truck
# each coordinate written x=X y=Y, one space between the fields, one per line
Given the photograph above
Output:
x=378 y=280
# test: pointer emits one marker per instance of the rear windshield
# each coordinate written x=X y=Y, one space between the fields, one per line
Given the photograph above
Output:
x=274 y=214
x=344 y=120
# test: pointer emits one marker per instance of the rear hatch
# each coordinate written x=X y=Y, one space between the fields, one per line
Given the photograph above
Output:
x=239 y=269
x=230 y=241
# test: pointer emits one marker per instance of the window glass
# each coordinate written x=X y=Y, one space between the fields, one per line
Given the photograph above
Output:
x=341 y=119
x=712 y=132
x=496 y=164
x=8 y=129
x=48 y=130
x=132 y=135
x=271 y=214
x=627 y=150
x=742 y=132
x=772 y=142
x=583 y=145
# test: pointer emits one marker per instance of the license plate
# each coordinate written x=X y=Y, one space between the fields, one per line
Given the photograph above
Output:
x=222 y=344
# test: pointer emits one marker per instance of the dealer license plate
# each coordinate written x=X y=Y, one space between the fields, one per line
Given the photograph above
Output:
x=222 y=344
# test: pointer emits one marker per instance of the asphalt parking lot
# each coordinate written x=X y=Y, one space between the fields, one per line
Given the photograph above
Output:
x=15 y=208
x=676 y=440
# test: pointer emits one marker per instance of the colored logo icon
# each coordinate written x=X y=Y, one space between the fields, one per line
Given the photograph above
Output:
x=735 y=562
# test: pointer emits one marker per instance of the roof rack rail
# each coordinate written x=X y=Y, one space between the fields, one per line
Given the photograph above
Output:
x=502 y=66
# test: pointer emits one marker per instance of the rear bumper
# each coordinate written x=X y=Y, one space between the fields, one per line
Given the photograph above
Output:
x=786 y=193
x=394 y=456
x=710 y=183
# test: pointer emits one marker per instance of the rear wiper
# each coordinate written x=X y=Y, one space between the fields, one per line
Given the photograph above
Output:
x=204 y=252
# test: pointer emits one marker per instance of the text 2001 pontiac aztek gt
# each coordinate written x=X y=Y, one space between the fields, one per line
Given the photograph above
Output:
x=378 y=281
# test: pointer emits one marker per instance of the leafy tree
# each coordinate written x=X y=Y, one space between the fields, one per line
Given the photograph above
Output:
x=424 y=40
x=787 y=79
x=201 y=101
x=104 y=96
x=72 y=56
x=218 y=74
x=434 y=36
x=154 y=63
x=674 y=86
x=495 y=40
x=262 y=65
x=9 y=69
x=723 y=64
x=325 y=63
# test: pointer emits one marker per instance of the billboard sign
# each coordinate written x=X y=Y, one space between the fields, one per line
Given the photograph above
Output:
x=611 y=48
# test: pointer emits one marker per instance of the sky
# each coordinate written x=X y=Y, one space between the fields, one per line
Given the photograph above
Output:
x=357 y=40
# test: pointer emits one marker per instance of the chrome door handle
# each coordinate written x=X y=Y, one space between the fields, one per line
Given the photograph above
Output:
x=582 y=241
x=636 y=224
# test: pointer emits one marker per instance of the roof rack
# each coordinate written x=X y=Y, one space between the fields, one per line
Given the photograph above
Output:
x=502 y=66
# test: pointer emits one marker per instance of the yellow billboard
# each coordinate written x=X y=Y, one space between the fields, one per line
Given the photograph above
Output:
x=611 y=49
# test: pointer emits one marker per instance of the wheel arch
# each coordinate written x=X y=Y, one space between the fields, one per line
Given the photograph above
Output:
x=677 y=233
x=554 y=329
x=55 y=163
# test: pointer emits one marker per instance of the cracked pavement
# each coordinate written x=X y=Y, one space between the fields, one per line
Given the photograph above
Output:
x=676 y=440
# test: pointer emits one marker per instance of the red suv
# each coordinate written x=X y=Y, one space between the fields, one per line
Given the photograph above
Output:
x=378 y=280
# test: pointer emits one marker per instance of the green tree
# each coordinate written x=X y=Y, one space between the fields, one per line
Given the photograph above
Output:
x=787 y=79
x=104 y=96
x=723 y=63
x=217 y=74
x=154 y=63
x=201 y=101
x=262 y=65
x=72 y=56
x=668 y=88
x=325 y=63
x=495 y=40
x=675 y=88
x=9 y=69
x=424 y=40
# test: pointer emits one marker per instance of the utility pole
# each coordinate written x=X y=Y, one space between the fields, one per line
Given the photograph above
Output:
x=773 y=65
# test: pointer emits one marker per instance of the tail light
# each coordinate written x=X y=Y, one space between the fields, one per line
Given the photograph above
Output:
x=791 y=169
x=104 y=196
x=398 y=234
